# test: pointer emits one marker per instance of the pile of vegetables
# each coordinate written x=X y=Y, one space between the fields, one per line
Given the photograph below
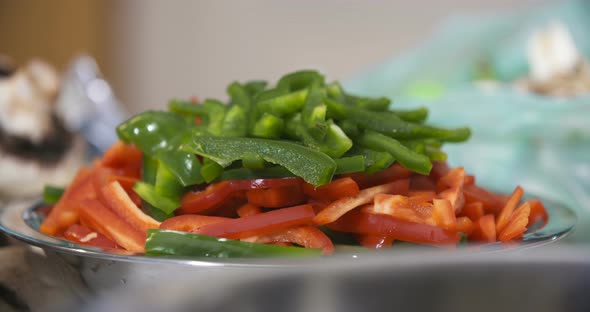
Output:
x=298 y=164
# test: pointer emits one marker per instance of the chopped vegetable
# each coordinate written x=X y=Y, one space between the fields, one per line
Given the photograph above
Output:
x=289 y=169
x=52 y=194
x=182 y=244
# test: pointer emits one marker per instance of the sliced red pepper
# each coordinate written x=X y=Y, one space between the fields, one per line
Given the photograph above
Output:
x=473 y=211
x=248 y=210
x=121 y=155
x=381 y=224
x=101 y=219
x=375 y=241
x=277 y=197
x=213 y=195
x=485 y=229
x=506 y=212
x=516 y=226
x=339 y=188
x=189 y=223
x=338 y=208
x=538 y=213
x=306 y=236
x=492 y=203
x=465 y=225
x=393 y=173
x=82 y=235
x=65 y=212
x=444 y=214
x=260 y=224
x=121 y=204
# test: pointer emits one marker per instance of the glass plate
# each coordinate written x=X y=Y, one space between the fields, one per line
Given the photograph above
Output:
x=21 y=221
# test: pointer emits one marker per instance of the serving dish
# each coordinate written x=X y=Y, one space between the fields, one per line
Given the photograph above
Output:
x=100 y=270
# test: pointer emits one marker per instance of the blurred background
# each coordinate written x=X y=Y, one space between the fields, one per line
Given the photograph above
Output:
x=153 y=50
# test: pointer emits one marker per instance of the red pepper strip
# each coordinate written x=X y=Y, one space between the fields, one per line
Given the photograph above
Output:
x=517 y=224
x=491 y=202
x=189 y=223
x=465 y=225
x=260 y=224
x=248 y=210
x=195 y=202
x=344 y=187
x=485 y=229
x=101 y=219
x=82 y=235
x=538 y=213
x=395 y=172
x=375 y=241
x=338 y=208
x=127 y=183
x=506 y=212
x=65 y=212
x=450 y=187
x=384 y=225
x=306 y=236
x=121 y=155
x=277 y=197
x=473 y=211
x=120 y=203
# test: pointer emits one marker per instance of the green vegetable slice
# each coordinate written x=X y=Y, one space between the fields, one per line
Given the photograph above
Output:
x=314 y=167
x=52 y=194
x=182 y=244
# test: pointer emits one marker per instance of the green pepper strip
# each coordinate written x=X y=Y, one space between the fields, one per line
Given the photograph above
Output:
x=210 y=170
x=300 y=80
x=374 y=161
x=350 y=164
x=408 y=158
x=283 y=105
x=148 y=193
x=248 y=174
x=314 y=167
x=159 y=135
x=186 y=108
x=52 y=194
x=149 y=170
x=268 y=126
x=182 y=244
x=418 y=115
x=393 y=126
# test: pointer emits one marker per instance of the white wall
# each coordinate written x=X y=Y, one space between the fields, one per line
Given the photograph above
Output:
x=165 y=49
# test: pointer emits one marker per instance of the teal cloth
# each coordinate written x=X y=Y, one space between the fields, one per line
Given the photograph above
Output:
x=519 y=138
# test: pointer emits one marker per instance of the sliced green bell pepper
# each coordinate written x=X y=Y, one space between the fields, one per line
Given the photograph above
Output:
x=52 y=194
x=408 y=158
x=314 y=167
x=182 y=244
x=159 y=135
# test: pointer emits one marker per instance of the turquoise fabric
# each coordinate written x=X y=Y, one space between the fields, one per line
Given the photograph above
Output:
x=538 y=142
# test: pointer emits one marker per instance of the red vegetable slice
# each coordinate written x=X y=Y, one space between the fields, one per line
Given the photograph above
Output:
x=277 y=197
x=517 y=224
x=260 y=224
x=485 y=229
x=538 y=213
x=340 y=207
x=375 y=241
x=121 y=204
x=82 y=235
x=65 y=212
x=393 y=173
x=101 y=219
x=339 y=188
x=384 y=225
x=506 y=212
x=189 y=223
x=213 y=195
x=306 y=236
